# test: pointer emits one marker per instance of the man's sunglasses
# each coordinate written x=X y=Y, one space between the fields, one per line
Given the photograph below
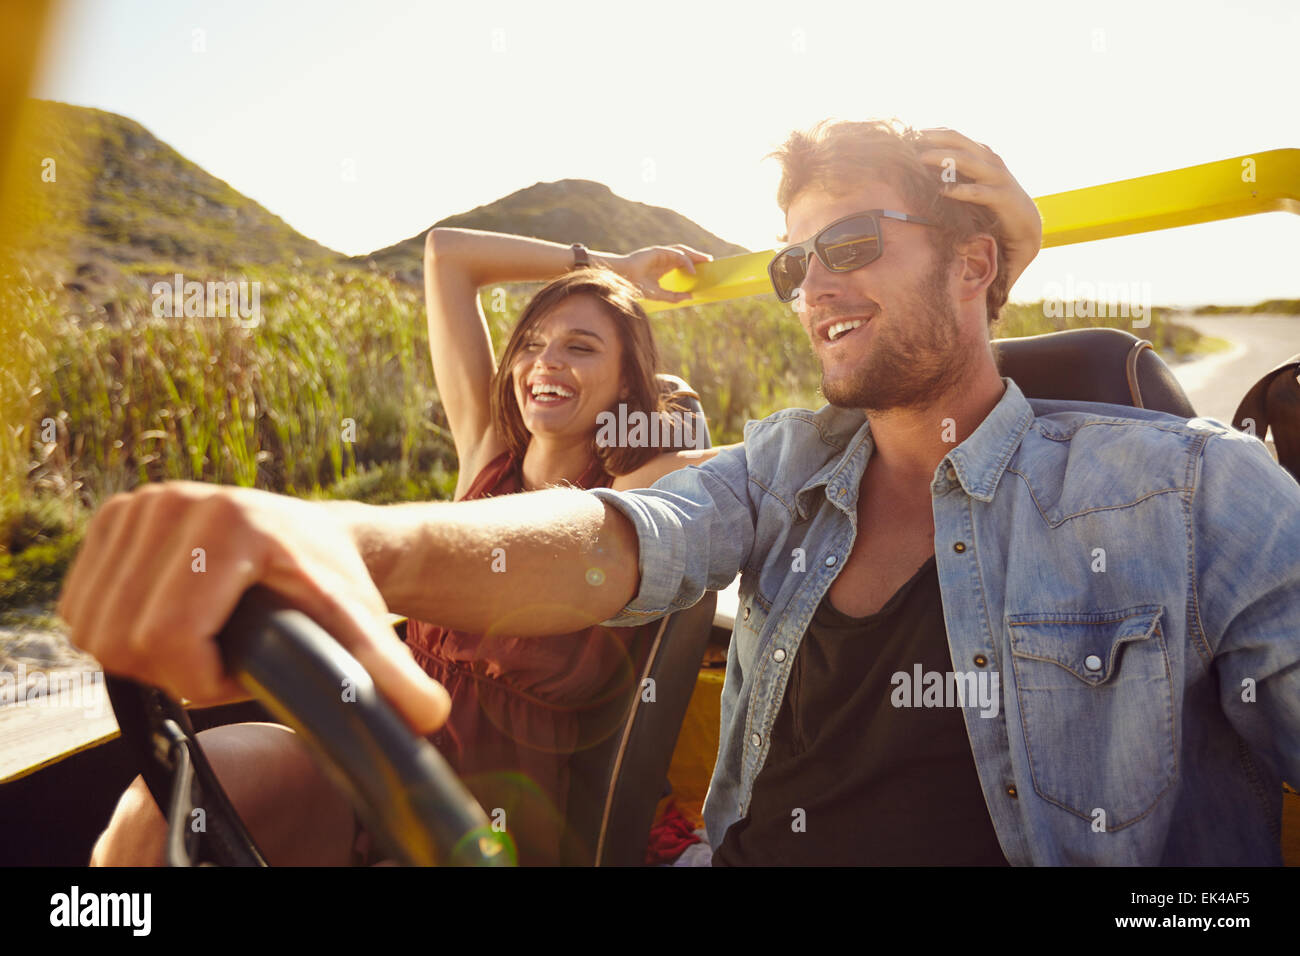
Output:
x=846 y=244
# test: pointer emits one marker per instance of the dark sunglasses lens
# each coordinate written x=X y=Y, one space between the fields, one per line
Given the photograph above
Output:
x=850 y=244
x=788 y=271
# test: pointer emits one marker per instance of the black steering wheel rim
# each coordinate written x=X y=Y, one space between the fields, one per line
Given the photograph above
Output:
x=410 y=800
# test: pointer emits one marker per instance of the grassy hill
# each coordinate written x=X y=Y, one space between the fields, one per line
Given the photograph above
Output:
x=113 y=208
x=570 y=210
x=111 y=202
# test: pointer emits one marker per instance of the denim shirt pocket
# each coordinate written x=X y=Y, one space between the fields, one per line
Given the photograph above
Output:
x=1096 y=708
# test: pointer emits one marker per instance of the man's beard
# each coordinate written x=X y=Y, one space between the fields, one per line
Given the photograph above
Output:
x=920 y=359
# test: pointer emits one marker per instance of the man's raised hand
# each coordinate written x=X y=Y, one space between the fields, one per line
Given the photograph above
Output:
x=993 y=186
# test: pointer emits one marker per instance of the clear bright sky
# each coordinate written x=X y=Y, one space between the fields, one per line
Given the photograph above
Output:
x=361 y=124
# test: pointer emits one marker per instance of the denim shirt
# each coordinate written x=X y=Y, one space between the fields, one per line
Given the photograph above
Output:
x=1132 y=577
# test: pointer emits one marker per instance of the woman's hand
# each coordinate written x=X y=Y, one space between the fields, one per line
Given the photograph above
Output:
x=645 y=266
x=163 y=567
x=994 y=187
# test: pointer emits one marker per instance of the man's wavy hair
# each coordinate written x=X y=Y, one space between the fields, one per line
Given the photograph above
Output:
x=839 y=157
x=640 y=364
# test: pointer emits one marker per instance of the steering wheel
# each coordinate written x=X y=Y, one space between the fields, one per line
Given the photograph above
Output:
x=410 y=800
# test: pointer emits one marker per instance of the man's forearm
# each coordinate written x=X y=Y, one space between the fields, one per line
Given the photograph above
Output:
x=546 y=562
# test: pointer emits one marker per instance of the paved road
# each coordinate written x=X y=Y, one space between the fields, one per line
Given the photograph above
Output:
x=1217 y=384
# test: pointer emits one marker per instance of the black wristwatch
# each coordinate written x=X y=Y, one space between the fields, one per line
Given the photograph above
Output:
x=580 y=259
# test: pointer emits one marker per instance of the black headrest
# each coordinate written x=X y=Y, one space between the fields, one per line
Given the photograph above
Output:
x=1092 y=365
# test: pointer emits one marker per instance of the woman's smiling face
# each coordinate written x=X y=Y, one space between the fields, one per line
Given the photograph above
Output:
x=568 y=369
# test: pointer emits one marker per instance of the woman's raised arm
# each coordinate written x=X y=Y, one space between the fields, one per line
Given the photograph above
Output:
x=457 y=263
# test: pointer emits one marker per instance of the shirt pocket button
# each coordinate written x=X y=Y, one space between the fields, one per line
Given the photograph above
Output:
x=1095 y=695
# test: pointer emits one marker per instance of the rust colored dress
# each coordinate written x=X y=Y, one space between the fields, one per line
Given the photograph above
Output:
x=522 y=706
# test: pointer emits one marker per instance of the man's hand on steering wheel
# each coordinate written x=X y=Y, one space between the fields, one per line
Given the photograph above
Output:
x=162 y=568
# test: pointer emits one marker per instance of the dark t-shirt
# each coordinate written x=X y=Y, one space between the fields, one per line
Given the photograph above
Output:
x=851 y=779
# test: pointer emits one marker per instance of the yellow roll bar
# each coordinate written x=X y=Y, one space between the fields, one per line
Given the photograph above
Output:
x=1241 y=186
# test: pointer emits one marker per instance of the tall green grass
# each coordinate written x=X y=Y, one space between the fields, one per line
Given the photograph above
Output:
x=335 y=377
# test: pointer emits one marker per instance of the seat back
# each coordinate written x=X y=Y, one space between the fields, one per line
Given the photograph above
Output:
x=1273 y=405
x=1093 y=365
x=616 y=784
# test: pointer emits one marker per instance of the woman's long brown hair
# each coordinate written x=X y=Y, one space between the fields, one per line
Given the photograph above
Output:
x=618 y=298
